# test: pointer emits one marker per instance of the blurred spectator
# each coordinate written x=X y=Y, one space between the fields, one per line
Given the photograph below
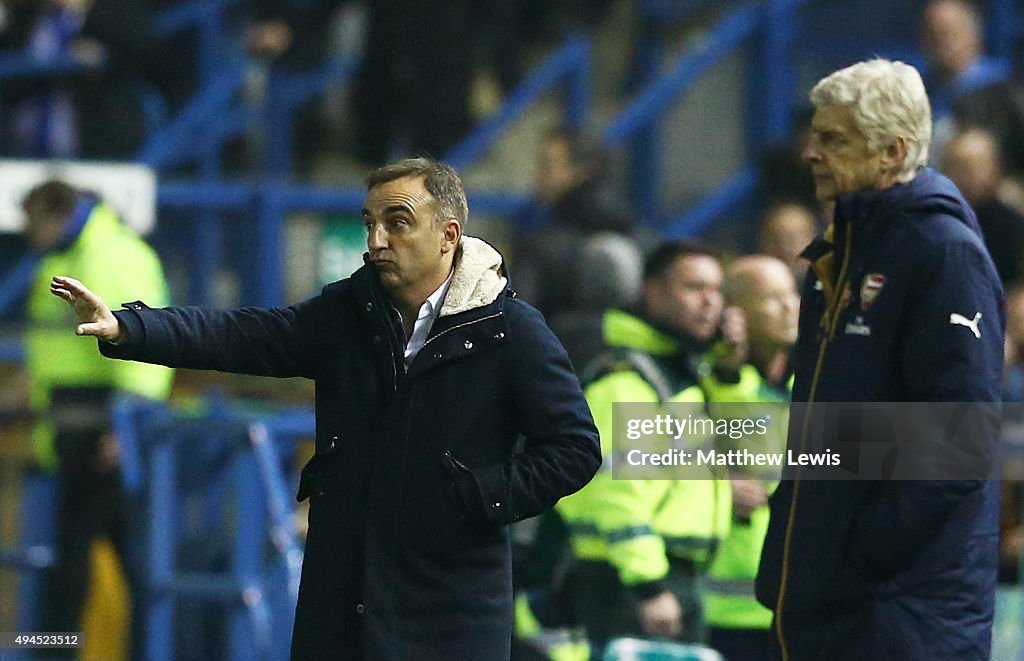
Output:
x=763 y=288
x=1011 y=544
x=572 y=202
x=642 y=546
x=972 y=161
x=97 y=113
x=786 y=229
x=1013 y=354
x=295 y=37
x=784 y=175
x=72 y=385
x=412 y=92
x=584 y=257
x=964 y=86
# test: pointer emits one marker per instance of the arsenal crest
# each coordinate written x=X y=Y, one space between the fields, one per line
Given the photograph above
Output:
x=869 y=290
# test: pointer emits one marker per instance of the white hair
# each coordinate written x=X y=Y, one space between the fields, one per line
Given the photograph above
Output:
x=888 y=100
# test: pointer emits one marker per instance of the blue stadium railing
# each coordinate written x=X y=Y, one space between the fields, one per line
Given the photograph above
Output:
x=640 y=121
x=238 y=461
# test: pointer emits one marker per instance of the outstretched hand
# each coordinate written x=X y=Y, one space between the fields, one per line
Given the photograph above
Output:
x=96 y=317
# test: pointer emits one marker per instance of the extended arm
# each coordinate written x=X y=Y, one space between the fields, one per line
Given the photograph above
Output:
x=275 y=342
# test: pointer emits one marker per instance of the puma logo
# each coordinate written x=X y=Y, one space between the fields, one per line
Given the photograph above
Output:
x=960 y=320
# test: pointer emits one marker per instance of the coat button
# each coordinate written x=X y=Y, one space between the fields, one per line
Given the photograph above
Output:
x=376 y=339
x=497 y=504
x=499 y=336
x=468 y=344
x=369 y=307
x=360 y=609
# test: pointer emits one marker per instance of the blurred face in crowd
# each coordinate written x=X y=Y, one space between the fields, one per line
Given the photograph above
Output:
x=766 y=292
x=971 y=160
x=951 y=36
x=839 y=156
x=1014 y=350
x=406 y=240
x=688 y=298
x=556 y=174
x=785 y=231
x=43 y=227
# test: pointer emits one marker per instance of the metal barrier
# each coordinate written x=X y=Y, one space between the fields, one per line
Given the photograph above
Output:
x=639 y=122
x=260 y=611
x=570 y=63
x=235 y=458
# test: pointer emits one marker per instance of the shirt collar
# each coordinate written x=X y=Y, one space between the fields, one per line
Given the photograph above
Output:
x=433 y=302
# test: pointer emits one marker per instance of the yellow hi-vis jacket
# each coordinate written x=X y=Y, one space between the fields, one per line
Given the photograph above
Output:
x=117 y=265
x=637 y=525
x=728 y=593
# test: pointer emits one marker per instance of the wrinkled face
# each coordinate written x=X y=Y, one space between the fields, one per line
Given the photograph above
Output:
x=555 y=172
x=688 y=299
x=771 y=306
x=838 y=154
x=401 y=235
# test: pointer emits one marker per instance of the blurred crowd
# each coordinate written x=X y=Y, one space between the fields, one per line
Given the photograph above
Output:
x=127 y=75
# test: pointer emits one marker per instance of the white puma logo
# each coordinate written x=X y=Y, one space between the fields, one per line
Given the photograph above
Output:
x=960 y=320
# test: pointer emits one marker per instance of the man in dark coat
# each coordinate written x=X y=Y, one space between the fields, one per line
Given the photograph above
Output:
x=902 y=304
x=428 y=371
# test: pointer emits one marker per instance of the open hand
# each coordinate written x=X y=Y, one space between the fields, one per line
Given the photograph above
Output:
x=96 y=317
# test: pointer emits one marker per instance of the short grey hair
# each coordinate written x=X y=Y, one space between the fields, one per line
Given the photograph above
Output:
x=440 y=179
x=888 y=99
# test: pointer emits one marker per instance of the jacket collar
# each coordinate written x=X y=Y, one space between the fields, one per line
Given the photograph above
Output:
x=632 y=330
x=478 y=279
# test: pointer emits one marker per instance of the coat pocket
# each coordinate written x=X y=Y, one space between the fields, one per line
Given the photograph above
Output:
x=315 y=479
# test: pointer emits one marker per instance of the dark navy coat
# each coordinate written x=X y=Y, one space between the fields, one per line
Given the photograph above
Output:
x=898 y=569
x=415 y=477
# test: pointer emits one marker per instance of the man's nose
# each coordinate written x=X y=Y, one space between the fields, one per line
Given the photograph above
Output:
x=376 y=238
x=811 y=153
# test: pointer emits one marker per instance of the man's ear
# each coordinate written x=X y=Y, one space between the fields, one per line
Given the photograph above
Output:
x=894 y=155
x=451 y=234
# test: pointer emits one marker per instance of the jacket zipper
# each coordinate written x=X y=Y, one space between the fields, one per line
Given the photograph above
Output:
x=833 y=310
x=462 y=325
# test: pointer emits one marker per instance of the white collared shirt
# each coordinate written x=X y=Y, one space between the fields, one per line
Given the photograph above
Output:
x=425 y=319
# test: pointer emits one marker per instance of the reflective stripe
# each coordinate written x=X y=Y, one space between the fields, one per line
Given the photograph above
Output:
x=624 y=534
x=590 y=529
x=690 y=543
x=730 y=588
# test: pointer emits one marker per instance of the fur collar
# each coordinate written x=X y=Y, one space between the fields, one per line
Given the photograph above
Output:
x=478 y=279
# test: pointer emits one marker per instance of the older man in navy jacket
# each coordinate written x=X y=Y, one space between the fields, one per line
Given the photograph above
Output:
x=428 y=370
x=902 y=304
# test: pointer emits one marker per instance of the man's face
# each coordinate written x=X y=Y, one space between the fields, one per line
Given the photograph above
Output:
x=949 y=37
x=838 y=154
x=688 y=299
x=403 y=241
x=972 y=162
x=555 y=172
x=42 y=229
x=771 y=306
x=787 y=231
